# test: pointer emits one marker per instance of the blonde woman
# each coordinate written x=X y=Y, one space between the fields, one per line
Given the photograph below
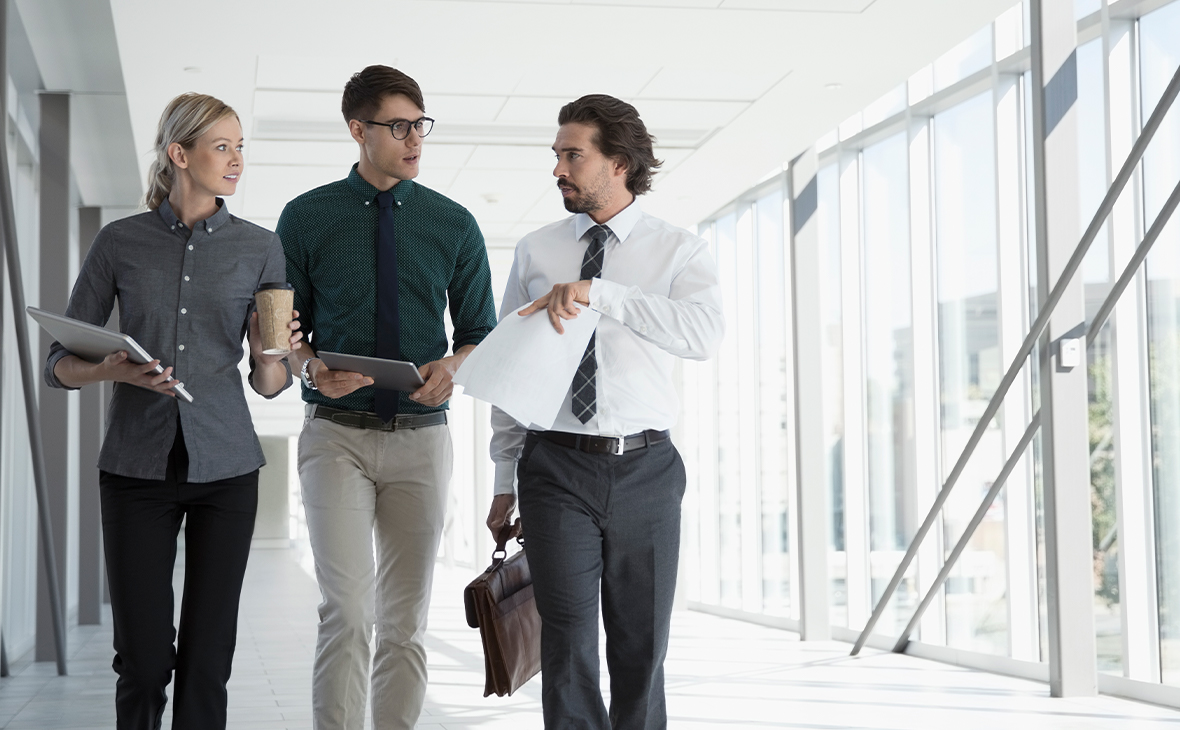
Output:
x=184 y=273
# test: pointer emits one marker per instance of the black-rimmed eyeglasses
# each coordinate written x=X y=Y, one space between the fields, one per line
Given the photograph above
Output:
x=400 y=129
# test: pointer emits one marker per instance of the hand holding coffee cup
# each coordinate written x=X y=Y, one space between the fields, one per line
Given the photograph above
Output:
x=275 y=302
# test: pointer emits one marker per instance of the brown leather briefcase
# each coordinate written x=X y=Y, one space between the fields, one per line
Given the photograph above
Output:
x=500 y=604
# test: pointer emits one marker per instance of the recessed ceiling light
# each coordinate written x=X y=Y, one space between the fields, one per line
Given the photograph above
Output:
x=833 y=86
x=492 y=198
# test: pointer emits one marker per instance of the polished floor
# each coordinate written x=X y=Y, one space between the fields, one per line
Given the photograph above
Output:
x=720 y=674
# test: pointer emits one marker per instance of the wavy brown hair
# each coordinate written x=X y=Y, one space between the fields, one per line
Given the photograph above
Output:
x=619 y=134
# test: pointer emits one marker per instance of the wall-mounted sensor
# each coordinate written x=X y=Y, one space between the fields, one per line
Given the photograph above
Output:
x=1069 y=353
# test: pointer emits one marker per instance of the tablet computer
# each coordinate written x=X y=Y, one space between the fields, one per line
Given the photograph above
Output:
x=386 y=374
x=93 y=343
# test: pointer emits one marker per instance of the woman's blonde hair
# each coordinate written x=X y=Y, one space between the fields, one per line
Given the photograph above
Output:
x=184 y=120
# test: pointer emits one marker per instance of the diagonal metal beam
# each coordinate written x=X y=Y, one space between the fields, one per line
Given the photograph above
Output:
x=1116 y=292
x=1030 y=340
x=969 y=532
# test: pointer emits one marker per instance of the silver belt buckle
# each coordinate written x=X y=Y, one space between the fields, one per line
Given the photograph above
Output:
x=620 y=444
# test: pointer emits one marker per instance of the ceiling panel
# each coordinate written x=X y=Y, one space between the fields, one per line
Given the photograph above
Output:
x=444 y=155
x=292 y=104
x=671 y=159
x=793 y=6
x=573 y=80
x=685 y=4
x=533 y=110
x=437 y=178
x=267 y=188
x=487 y=76
x=462 y=108
x=546 y=208
x=275 y=152
x=685 y=115
x=496 y=73
x=800 y=6
x=537 y=159
x=309 y=71
x=710 y=83
x=495 y=196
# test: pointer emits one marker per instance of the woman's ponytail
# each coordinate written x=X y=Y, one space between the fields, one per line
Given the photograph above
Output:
x=184 y=120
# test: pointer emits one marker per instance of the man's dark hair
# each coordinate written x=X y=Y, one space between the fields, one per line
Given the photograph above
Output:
x=619 y=134
x=367 y=89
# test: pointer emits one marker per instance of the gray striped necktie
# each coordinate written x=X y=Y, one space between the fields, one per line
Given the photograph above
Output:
x=585 y=390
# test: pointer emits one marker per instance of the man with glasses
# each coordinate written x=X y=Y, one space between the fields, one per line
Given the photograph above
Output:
x=375 y=259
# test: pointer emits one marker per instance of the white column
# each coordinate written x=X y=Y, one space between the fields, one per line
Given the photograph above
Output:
x=927 y=473
x=1130 y=396
x=1064 y=405
x=856 y=532
x=811 y=524
x=1018 y=498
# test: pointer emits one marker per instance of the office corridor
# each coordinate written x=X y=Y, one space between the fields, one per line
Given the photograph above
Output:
x=721 y=674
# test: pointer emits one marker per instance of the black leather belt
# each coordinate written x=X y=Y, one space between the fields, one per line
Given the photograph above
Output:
x=616 y=445
x=364 y=419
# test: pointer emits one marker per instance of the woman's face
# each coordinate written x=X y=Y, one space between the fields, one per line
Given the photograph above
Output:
x=215 y=162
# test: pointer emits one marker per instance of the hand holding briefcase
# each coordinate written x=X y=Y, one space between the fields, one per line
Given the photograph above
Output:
x=500 y=604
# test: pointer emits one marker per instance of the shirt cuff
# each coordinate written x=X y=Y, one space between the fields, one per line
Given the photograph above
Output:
x=50 y=376
x=286 y=383
x=505 y=478
x=607 y=297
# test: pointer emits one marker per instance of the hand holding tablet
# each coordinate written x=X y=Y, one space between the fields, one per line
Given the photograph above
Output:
x=93 y=343
x=385 y=374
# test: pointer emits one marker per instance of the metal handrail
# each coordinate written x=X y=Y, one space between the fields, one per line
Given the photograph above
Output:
x=969 y=532
x=1161 y=221
x=1026 y=348
x=1153 y=234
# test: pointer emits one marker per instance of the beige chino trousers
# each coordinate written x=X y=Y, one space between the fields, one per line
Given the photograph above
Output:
x=384 y=494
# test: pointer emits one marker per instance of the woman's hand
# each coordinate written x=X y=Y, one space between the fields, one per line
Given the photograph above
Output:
x=254 y=335
x=118 y=368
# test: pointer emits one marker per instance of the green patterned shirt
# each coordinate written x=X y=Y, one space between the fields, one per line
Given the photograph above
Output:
x=329 y=235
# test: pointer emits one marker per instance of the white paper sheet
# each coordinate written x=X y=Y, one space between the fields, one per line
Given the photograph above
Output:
x=525 y=367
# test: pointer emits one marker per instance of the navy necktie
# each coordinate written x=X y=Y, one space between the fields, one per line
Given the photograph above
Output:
x=388 y=344
x=585 y=388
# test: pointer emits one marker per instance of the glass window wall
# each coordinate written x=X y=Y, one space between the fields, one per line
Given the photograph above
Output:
x=928 y=283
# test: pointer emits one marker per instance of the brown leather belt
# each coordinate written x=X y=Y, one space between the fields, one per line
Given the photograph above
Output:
x=616 y=445
x=365 y=419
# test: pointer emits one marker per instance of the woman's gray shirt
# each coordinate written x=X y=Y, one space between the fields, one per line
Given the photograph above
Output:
x=186 y=297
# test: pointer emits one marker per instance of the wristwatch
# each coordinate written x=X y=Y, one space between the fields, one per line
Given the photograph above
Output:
x=305 y=374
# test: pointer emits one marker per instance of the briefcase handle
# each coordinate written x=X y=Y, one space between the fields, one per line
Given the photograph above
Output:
x=506 y=533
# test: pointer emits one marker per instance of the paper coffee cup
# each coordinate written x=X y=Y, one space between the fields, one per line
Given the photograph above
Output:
x=275 y=302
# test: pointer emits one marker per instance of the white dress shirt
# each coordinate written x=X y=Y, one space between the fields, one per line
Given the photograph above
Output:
x=659 y=298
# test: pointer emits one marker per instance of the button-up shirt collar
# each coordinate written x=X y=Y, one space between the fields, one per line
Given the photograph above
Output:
x=210 y=224
x=621 y=225
x=368 y=193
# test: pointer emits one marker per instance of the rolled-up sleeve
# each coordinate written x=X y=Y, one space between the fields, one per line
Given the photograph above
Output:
x=275 y=269
x=92 y=299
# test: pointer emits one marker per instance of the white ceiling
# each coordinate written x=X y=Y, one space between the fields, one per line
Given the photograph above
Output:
x=731 y=88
